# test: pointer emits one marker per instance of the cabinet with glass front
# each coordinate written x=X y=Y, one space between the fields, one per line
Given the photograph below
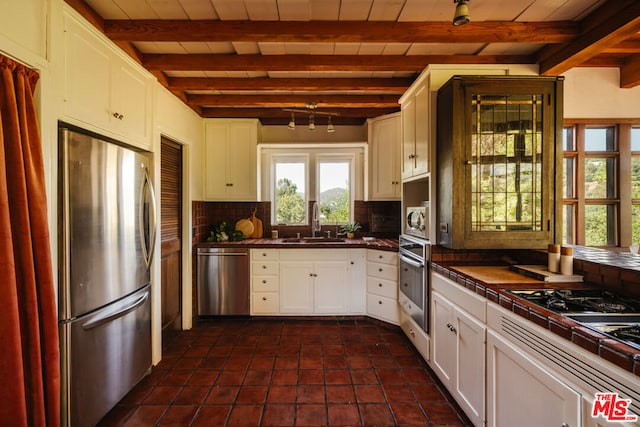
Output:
x=499 y=155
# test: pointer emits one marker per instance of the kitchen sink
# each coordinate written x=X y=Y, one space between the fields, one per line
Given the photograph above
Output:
x=313 y=240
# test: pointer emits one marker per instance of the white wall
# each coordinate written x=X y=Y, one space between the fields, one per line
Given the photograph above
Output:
x=596 y=93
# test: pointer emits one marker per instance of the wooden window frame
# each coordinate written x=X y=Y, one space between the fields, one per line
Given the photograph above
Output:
x=623 y=155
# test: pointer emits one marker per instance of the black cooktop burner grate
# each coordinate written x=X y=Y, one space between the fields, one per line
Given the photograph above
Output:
x=580 y=301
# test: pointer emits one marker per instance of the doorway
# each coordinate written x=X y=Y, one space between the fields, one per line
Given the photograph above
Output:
x=171 y=236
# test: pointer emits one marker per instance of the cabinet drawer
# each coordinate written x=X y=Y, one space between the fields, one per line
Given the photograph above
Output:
x=416 y=335
x=384 y=271
x=265 y=303
x=384 y=257
x=383 y=308
x=264 y=254
x=382 y=287
x=265 y=283
x=264 y=267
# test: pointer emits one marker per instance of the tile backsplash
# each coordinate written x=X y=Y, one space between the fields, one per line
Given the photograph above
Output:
x=207 y=214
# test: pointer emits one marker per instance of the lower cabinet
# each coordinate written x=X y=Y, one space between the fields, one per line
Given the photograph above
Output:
x=324 y=282
x=458 y=345
x=416 y=335
x=265 y=281
x=382 y=286
x=520 y=392
x=320 y=287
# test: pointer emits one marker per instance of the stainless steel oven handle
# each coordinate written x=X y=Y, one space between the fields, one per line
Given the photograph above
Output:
x=411 y=262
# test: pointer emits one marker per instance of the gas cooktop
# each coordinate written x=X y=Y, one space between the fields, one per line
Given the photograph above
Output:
x=613 y=315
x=564 y=301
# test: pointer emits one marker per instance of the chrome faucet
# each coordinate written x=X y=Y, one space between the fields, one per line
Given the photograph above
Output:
x=315 y=222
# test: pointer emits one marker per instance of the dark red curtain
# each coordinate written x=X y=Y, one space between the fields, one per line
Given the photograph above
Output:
x=29 y=352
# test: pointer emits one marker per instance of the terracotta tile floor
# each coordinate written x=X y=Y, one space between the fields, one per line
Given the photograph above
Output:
x=286 y=372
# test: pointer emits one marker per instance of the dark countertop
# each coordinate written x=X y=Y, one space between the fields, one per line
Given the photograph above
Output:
x=379 y=244
x=613 y=350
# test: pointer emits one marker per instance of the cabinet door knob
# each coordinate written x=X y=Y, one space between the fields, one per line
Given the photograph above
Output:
x=380 y=256
x=380 y=302
x=412 y=156
x=264 y=298
x=352 y=262
x=379 y=285
x=468 y=162
x=264 y=266
x=264 y=281
x=264 y=254
x=380 y=269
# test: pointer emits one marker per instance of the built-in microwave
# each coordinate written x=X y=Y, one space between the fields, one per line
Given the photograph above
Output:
x=417 y=221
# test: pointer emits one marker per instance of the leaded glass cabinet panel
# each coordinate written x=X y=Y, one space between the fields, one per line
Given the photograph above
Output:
x=499 y=156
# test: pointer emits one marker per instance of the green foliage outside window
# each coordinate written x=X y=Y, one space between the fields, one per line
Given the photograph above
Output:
x=289 y=203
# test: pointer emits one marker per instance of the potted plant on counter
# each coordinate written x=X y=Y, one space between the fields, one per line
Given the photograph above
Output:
x=350 y=229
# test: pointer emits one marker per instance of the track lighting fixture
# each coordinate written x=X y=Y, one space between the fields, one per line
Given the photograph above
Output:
x=311 y=108
x=461 y=16
x=330 y=128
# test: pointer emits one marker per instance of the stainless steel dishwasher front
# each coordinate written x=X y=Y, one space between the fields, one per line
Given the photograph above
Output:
x=223 y=281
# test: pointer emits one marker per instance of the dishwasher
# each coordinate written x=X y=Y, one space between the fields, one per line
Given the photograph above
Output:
x=223 y=281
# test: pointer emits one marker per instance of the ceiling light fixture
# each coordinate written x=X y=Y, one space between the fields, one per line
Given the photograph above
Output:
x=461 y=16
x=330 y=128
x=292 y=122
x=311 y=108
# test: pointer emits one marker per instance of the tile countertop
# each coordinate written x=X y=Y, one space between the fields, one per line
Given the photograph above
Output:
x=613 y=350
x=379 y=244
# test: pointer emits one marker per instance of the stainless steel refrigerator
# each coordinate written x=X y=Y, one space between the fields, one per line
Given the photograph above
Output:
x=106 y=234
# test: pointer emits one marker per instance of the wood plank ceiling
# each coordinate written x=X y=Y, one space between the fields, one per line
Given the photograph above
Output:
x=255 y=58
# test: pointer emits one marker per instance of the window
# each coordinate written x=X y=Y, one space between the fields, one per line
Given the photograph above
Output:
x=293 y=177
x=290 y=195
x=334 y=190
x=635 y=184
x=601 y=183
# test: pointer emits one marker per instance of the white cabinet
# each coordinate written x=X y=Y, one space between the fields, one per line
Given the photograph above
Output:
x=510 y=373
x=314 y=281
x=265 y=281
x=458 y=344
x=384 y=162
x=357 y=281
x=415 y=122
x=104 y=90
x=382 y=285
x=230 y=159
x=416 y=335
x=296 y=293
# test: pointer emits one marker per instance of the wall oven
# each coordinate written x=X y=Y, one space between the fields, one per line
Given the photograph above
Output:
x=413 y=295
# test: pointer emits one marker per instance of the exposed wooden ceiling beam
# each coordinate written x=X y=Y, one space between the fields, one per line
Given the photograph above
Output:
x=606 y=27
x=391 y=85
x=400 y=63
x=630 y=73
x=340 y=32
x=261 y=113
x=293 y=101
x=626 y=47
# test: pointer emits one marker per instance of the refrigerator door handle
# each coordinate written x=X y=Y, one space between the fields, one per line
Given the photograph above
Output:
x=148 y=226
x=101 y=320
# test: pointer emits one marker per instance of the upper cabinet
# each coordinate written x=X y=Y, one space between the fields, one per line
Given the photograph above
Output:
x=499 y=155
x=415 y=119
x=230 y=153
x=104 y=90
x=384 y=163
